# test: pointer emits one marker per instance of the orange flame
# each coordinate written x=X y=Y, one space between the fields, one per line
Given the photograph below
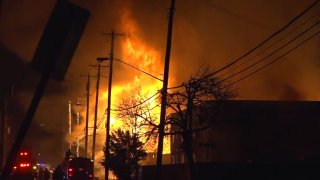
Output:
x=137 y=53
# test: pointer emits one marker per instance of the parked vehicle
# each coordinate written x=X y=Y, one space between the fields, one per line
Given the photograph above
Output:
x=80 y=168
x=24 y=166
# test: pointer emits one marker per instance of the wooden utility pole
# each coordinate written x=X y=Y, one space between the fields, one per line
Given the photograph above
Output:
x=158 y=174
x=87 y=115
x=106 y=171
x=107 y=155
x=96 y=114
x=87 y=112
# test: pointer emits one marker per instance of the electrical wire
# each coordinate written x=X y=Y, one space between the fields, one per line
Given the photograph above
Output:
x=269 y=55
x=268 y=39
x=270 y=46
x=261 y=43
x=124 y=109
x=261 y=68
x=138 y=69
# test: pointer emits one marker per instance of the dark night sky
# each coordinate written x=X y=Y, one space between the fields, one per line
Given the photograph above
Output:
x=206 y=31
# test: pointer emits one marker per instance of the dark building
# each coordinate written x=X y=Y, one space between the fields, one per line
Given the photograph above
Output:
x=251 y=140
x=256 y=131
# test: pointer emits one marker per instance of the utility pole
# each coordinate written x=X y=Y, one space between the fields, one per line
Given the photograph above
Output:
x=107 y=143
x=164 y=93
x=96 y=113
x=87 y=115
x=87 y=111
x=106 y=170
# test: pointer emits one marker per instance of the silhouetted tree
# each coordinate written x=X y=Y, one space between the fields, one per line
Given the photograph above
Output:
x=139 y=112
x=185 y=103
x=190 y=102
x=126 y=150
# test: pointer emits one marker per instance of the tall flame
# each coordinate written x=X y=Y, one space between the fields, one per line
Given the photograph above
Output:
x=137 y=53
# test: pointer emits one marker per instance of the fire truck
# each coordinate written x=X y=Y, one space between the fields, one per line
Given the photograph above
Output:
x=74 y=168
x=80 y=168
x=24 y=166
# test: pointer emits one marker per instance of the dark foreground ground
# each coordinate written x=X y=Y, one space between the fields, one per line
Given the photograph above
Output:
x=293 y=170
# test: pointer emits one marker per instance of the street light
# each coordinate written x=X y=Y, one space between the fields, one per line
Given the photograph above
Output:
x=100 y=59
x=79 y=103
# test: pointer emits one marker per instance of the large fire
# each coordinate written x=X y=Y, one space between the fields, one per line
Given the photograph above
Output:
x=137 y=53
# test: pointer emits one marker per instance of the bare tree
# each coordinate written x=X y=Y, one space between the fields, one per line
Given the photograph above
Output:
x=139 y=129
x=185 y=104
x=138 y=111
x=190 y=102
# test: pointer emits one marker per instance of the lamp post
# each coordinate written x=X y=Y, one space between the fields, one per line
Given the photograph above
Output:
x=96 y=115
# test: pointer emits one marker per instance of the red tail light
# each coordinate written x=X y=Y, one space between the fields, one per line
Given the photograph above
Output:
x=24 y=165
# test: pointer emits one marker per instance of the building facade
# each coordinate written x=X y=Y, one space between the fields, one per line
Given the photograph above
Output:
x=256 y=131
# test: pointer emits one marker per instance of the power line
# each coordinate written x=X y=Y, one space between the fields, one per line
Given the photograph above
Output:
x=134 y=106
x=261 y=68
x=269 y=38
x=143 y=71
x=104 y=115
x=102 y=118
x=233 y=14
x=100 y=128
x=81 y=132
x=272 y=45
x=260 y=44
x=265 y=58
